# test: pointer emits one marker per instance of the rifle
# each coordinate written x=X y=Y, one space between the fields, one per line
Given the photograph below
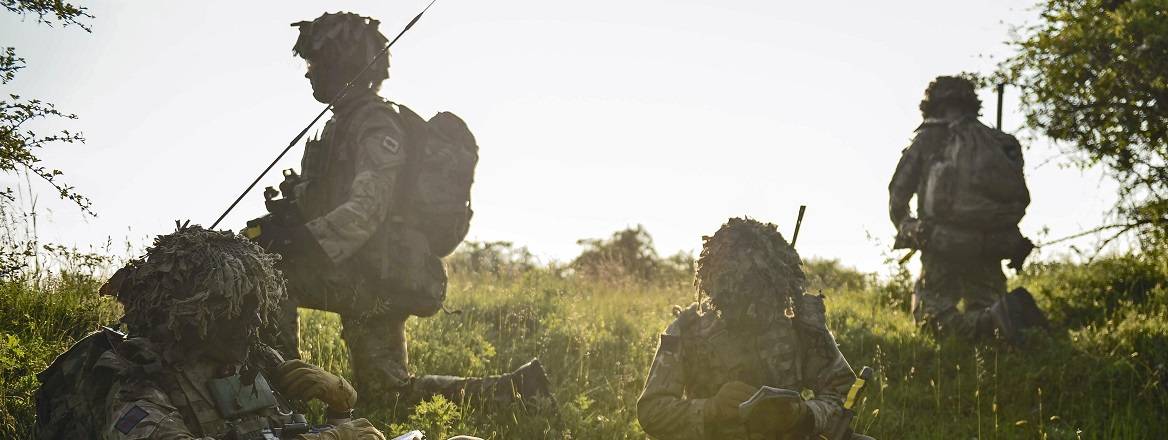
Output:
x=842 y=429
x=282 y=211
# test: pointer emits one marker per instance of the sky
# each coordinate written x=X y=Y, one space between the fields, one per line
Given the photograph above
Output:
x=590 y=116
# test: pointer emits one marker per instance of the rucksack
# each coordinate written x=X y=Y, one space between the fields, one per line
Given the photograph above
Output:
x=442 y=156
x=972 y=182
x=70 y=403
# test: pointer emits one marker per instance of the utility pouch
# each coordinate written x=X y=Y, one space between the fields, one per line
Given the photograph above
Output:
x=234 y=399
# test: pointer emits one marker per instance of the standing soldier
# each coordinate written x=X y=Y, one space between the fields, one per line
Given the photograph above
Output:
x=757 y=328
x=383 y=196
x=192 y=366
x=971 y=193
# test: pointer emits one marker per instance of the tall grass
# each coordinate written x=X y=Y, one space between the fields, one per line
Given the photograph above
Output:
x=1099 y=375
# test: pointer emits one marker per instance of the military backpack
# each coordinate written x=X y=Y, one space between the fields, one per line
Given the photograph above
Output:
x=442 y=156
x=972 y=182
x=70 y=402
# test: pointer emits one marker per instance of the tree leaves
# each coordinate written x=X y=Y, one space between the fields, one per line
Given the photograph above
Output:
x=1094 y=76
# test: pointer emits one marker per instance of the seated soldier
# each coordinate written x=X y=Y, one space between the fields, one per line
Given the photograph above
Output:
x=192 y=366
x=756 y=329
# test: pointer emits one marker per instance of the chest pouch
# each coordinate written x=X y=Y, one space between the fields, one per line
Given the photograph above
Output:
x=234 y=399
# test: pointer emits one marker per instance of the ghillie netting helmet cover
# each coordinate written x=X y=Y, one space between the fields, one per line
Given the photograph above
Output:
x=192 y=278
x=953 y=90
x=748 y=262
x=345 y=38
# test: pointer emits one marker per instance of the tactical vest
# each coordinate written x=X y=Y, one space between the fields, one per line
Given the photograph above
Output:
x=237 y=406
x=774 y=356
x=714 y=356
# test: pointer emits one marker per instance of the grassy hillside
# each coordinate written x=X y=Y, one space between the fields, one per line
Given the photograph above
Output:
x=1101 y=374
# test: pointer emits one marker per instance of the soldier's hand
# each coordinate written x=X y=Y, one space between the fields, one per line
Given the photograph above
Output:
x=724 y=405
x=356 y=429
x=301 y=380
x=792 y=415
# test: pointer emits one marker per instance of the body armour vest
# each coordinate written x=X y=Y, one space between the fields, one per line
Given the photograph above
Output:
x=214 y=401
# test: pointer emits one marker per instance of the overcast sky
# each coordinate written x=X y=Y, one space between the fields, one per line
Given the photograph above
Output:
x=591 y=115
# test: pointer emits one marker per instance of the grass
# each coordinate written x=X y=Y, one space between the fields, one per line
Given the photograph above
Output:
x=1100 y=375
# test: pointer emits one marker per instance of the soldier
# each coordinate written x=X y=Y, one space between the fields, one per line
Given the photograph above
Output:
x=757 y=328
x=192 y=366
x=349 y=243
x=971 y=193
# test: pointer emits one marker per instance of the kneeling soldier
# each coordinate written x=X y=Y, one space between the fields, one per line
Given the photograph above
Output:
x=757 y=329
x=192 y=366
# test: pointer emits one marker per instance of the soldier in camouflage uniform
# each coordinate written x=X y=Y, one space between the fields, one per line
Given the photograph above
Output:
x=348 y=248
x=192 y=366
x=961 y=254
x=757 y=328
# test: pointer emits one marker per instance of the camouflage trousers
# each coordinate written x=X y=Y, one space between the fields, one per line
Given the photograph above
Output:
x=975 y=283
x=373 y=317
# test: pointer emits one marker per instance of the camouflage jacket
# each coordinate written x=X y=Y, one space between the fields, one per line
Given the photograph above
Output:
x=158 y=396
x=350 y=178
x=931 y=138
x=698 y=354
x=907 y=180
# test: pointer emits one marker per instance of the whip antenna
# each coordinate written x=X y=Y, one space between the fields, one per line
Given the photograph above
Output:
x=328 y=107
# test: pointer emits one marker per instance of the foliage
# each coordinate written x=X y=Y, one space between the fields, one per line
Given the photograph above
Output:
x=499 y=258
x=18 y=143
x=38 y=320
x=50 y=12
x=1100 y=375
x=830 y=274
x=1094 y=74
x=628 y=253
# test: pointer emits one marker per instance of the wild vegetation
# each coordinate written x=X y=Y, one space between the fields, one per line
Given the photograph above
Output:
x=1101 y=373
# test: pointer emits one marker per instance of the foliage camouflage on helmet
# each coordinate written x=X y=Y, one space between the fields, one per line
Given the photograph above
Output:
x=950 y=90
x=344 y=38
x=745 y=258
x=194 y=277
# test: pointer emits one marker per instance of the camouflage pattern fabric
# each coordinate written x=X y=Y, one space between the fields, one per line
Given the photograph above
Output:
x=160 y=394
x=698 y=353
x=380 y=271
x=908 y=180
x=944 y=283
x=961 y=273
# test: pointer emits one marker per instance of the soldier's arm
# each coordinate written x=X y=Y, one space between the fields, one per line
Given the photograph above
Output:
x=138 y=410
x=1013 y=150
x=662 y=409
x=830 y=374
x=908 y=171
x=380 y=155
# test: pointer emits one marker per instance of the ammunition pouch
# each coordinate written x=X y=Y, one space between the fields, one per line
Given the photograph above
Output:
x=956 y=242
x=416 y=277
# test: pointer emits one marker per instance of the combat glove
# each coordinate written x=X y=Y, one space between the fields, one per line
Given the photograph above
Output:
x=304 y=381
x=794 y=417
x=291 y=242
x=357 y=429
x=723 y=405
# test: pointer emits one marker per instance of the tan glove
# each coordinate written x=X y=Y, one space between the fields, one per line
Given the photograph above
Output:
x=302 y=380
x=724 y=404
x=356 y=429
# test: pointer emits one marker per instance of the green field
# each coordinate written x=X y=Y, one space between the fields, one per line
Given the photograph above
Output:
x=1100 y=374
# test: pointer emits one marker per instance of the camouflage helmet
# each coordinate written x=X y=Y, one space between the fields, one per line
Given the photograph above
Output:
x=950 y=90
x=194 y=278
x=744 y=261
x=345 y=38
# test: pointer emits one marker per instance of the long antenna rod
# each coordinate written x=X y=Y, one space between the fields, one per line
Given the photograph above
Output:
x=798 y=224
x=1001 y=91
x=328 y=107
